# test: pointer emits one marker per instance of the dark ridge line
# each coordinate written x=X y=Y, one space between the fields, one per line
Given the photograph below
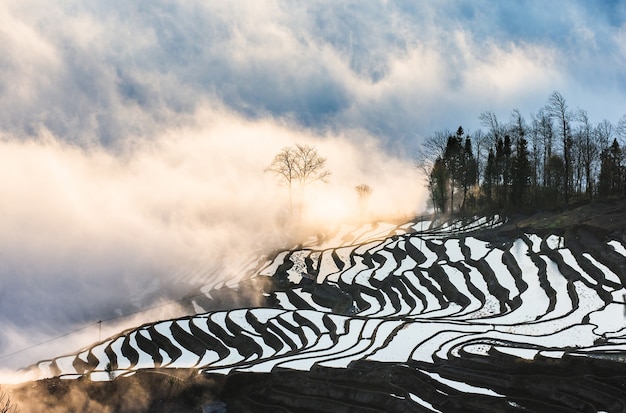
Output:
x=164 y=343
x=82 y=366
x=262 y=329
x=305 y=322
x=149 y=347
x=604 y=295
x=370 y=292
x=465 y=250
x=615 y=262
x=338 y=262
x=428 y=284
x=328 y=295
x=544 y=283
x=384 y=289
x=298 y=331
x=297 y=301
x=346 y=353
x=187 y=341
x=568 y=272
x=475 y=291
x=398 y=282
x=354 y=290
x=414 y=290
x=449 y=291
x=494 y=287
x=438 y=249
x=111 y=355
x=399 y=254
x=518 y=277
x=414 y=252
x=211 y=342
x=281 y=334
x=225 y=336
x=243 y=342
x=129 y=351
x=572 y=242
x=331 y=327
x=502 y=362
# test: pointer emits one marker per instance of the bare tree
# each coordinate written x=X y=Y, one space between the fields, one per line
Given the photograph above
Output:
x=310 y=166
x=603 y=133
x=364 y=192
x=429 y=162
x=430 y=150
x=301 y=164
x=557 y=108
x=518 y=126
x=489 y=120
x=481 y=150
x=587 y=149
x=542 y=125
x=621 y=129
x=284 y=166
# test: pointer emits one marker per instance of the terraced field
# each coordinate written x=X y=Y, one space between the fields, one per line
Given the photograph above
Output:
x=424 y=316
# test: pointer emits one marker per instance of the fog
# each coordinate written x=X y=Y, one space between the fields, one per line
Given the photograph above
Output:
x=89 y=233
x=133 y=137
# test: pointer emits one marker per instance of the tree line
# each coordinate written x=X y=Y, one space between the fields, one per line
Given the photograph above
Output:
x=556 y=158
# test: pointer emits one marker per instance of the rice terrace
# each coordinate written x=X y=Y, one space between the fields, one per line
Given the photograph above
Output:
x=287 y=206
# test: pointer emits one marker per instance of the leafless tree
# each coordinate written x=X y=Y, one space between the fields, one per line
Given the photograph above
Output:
x=557 y=108
x=364 y=192
x=310 y=166
x=431 y=150
x=603 y=133
x=489 y=120
x=544 y=129
x=480 y=141
x=587 y=150
x=621 y=129
x=301 y=164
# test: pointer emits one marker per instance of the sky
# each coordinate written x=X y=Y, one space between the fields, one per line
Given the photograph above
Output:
x=90 y=71
x=134 y=135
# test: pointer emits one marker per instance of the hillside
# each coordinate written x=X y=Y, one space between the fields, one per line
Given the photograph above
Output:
x=485 y=314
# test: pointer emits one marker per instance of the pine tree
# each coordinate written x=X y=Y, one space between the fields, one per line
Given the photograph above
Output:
x=521 y=173
x=611 y=172
x=438 y=185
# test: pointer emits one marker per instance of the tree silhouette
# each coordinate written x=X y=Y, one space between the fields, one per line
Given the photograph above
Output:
x=558 y=158
x=611 y=172
x=438 y=184
x=520 y=174
x=301 y=164
x=364 y=192
x=558 y=110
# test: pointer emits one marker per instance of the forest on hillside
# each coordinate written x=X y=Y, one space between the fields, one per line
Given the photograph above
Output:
x=556 y=158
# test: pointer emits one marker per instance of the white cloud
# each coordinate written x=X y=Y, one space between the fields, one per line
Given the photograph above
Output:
x=86 y=231
x=134 y=134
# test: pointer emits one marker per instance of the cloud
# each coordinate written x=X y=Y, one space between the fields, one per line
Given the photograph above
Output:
x=396 y=69
x=133 y=135
x=90 y=233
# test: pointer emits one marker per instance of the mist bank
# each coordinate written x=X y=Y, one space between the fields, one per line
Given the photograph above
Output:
x=90 y=233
